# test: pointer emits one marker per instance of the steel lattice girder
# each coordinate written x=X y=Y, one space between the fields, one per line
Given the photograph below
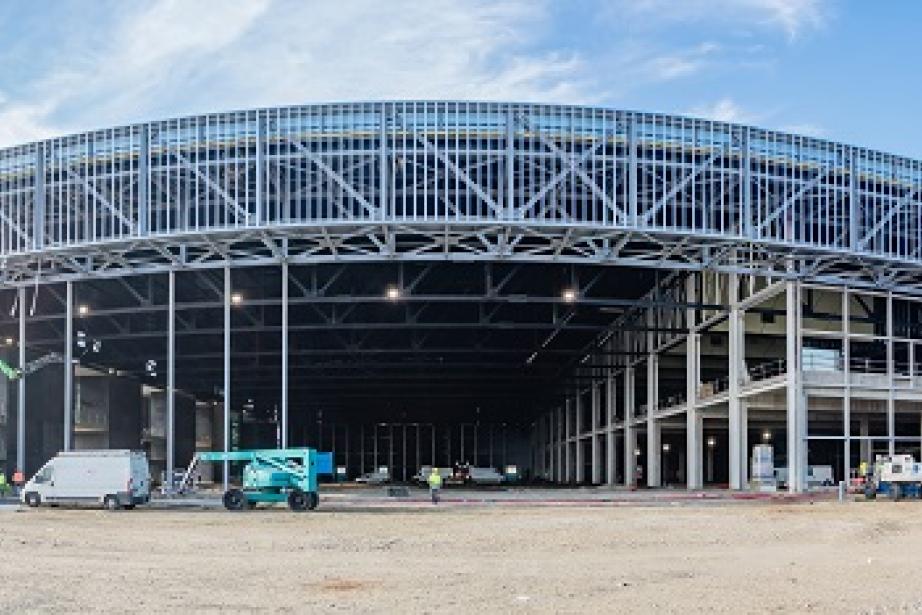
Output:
x=457 y=180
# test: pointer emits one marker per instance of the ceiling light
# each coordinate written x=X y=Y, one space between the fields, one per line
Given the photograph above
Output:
x=392 y=293
x=236 y=298
x=568 y=295
x=83 y=309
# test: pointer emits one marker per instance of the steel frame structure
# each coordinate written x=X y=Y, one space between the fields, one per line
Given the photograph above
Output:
x=457 y=180
x=463 y=182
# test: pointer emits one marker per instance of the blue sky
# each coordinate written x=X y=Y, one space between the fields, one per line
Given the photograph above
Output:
x=843 y=70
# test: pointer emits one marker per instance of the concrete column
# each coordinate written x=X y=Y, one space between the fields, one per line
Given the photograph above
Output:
x=596 y=423
x=734 y=407
x=654 y=452
x=611 y=457
x=796 y=404
x=630 y=434
x=69 y=368
x=693 y=421
x=559 y=445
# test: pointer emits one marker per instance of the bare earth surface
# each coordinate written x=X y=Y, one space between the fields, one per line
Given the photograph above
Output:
x=725 y=557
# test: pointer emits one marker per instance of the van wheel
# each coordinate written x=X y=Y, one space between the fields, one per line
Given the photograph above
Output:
x=33 y=499
x=110 y=502
x=234 y=499
x=129 y=507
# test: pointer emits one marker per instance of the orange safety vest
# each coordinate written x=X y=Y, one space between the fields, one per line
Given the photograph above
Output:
x=18 y=478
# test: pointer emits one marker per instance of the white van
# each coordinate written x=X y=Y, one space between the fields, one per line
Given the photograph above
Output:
x=112 y=478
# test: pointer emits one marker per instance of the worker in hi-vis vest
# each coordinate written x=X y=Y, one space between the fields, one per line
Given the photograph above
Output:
x=435 y=484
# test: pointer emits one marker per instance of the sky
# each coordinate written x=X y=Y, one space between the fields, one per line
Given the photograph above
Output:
x=838 y=69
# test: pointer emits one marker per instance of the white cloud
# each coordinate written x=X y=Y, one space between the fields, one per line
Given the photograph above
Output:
x=724 y=110
x=793 y=17
x=172 y=58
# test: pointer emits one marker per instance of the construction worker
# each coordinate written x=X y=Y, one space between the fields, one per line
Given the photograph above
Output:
x=863 y=470
x=4 y=487
x=435 y=484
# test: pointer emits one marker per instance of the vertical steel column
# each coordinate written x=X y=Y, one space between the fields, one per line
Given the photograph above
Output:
x=171 y=379
x=734 y=410
x=21 y=387
x=578 y=428
x=630 y=434
x=227 y=368
x=285 y=354
x=693 y=423
x=567 y=465
x=69 y=367
x=847 y=387
x=596 y=448
x=654 y=429
x=891 y=401
x=795 y=402
x=611 y=457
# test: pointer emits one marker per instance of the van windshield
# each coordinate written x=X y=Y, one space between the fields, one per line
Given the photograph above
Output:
x=45 y=474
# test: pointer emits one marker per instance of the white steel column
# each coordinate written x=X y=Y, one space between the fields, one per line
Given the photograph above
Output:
x=578 y=442
x=560 y=443
x=227 y=375
x=596 y=423
x=734 y=410
x=847 y=387
x=285 y=354
x=796 y=408
x=630 y=434
x=654 y=430
x=693 y=421
x=21 y=387
x=69 y=368
x=611 y=457
x=171 y=380
x=891 y=402
x=568 y=460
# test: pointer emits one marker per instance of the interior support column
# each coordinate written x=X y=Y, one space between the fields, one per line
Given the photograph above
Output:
x=578 y=428
x=693 y=421
x=284 y=354
x=734 y=410
x=171 y=380
x=21 y=388
x=596 y=423
x=654 y=430
x=611 y=457
x=796 y=406
x=630 y=434
x=227 y=366
x=69 y=368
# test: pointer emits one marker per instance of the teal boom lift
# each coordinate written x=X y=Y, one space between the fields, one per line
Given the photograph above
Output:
x=271 y=475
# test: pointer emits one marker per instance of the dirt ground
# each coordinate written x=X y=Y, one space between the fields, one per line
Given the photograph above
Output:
x=753 y=557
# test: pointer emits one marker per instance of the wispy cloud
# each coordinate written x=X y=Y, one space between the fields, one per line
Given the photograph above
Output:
x=793 y=17
x=725 y=110
x=174 y=57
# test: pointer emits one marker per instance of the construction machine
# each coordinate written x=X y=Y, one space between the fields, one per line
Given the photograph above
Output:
x=270 y=476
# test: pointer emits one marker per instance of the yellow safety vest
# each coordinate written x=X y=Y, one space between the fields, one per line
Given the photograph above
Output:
x=435 y=481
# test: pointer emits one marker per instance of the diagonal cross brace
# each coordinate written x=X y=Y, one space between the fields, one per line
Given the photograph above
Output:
x=239 y=211
x=460 y=174
x=804 y=189
x=903 y=202
x=336 y=177
x=680 y=185
x=98 y=196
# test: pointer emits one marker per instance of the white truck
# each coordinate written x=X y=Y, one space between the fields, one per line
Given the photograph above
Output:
x=112 y=478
